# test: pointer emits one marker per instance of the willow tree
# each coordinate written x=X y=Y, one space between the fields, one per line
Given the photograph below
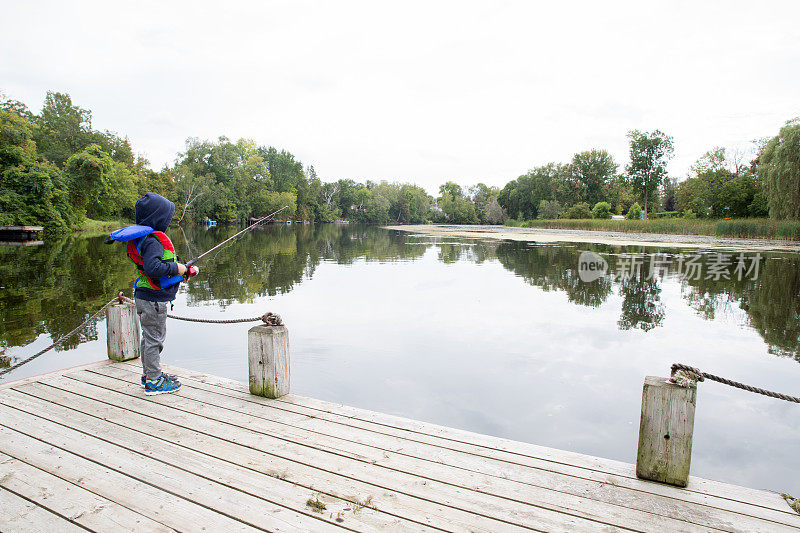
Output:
x=779 y=169
x=649 y=153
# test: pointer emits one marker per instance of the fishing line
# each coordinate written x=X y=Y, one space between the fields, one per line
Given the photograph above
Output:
x=254 y=224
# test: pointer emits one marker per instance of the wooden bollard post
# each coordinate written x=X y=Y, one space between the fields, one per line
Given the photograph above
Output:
x=123 y=335
x=268 y=355
x=665 y=432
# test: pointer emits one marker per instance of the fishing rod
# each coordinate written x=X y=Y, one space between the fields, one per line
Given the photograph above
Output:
x=257 y=222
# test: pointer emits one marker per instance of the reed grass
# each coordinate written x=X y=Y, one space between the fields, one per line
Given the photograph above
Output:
x=749 y=228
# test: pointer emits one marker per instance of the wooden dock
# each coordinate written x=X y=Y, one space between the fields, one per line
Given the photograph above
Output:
x=86 y=449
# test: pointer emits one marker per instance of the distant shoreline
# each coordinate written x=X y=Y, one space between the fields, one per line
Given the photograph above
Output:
x=598 y=237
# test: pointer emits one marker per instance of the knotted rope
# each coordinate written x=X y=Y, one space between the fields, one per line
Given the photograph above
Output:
x=685 y=375
x=270 y=319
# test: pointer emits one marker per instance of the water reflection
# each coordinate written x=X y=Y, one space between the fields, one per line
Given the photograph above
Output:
x=767 y=289
x=554 y=268
x=273 y=260
x=772 y=301
x=641 y=304
x=51 y=288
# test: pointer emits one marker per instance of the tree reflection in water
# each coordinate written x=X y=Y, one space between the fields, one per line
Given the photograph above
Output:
x=49 y=289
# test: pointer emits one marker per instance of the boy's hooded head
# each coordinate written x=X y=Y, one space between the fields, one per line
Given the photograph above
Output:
x=155 y=211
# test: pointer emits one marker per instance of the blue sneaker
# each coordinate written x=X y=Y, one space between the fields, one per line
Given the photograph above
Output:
x=161 y=386
x=170 y=377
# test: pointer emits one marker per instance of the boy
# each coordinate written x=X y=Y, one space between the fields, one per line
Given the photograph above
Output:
x=154 y=289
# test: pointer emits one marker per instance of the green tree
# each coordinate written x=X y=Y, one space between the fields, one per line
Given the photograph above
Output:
x=31 y=192
x=549 y=209
x=118 y=148
x=635 y=212
x=711 y=175
x=328 y=209
x=714 y=190
x=347 y=198
x=117 y=196
x=693 y=194
x=759 y=207
x=482 y=195
x=594 y=169
x=287 y=173
x=521 y=197
x=567 y=188
x=88 y=175
x=16 y=107
x=236 y=181
x=455 y=205
x=63 y=129
x=414 y=204
x=670 y=198
x=620 y=194
x=16 y=140
x=649 y=154
x=579 y=210
x=601 y=210
x=779 y=169
x=151 y=181
x=494 y=214
x=712 y=161
x=378 y=204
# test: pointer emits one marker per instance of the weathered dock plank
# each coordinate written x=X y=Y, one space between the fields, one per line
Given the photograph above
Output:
x=19 y=514
x=261 y=500
x=318 y=481
x=552 y=456
x=67 y=500
x=618 y=505
x=84 y=448
x=741 y=500
x=98 y=469
x=524 y=468
x=248 y=430
x=624 y=490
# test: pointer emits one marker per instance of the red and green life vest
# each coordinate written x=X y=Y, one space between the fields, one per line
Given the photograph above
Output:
x=144 y=281
x=134 y=235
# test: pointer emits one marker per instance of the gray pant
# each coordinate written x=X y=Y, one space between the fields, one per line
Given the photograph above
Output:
x=153 y=318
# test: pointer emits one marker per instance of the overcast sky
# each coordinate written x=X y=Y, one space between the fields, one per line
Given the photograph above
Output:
x=414 y=91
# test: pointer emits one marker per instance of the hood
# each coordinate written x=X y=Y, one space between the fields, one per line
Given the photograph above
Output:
x=155 y=211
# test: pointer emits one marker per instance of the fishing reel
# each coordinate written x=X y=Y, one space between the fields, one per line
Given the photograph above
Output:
x=191 y=271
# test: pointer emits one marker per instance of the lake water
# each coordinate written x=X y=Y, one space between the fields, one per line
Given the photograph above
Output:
x=497 y=337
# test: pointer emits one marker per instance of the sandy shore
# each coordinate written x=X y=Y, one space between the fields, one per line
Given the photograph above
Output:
x=598 y=237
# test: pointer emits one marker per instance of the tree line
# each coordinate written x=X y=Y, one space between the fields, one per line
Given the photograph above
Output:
x=56 y=170
x=593 y=185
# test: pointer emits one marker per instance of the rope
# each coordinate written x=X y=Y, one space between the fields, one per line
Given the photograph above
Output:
x=60 y=339
x=701 y=376
x=270 y=319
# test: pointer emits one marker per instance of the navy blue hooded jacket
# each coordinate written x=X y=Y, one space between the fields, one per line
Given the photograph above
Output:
x=155 y=211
